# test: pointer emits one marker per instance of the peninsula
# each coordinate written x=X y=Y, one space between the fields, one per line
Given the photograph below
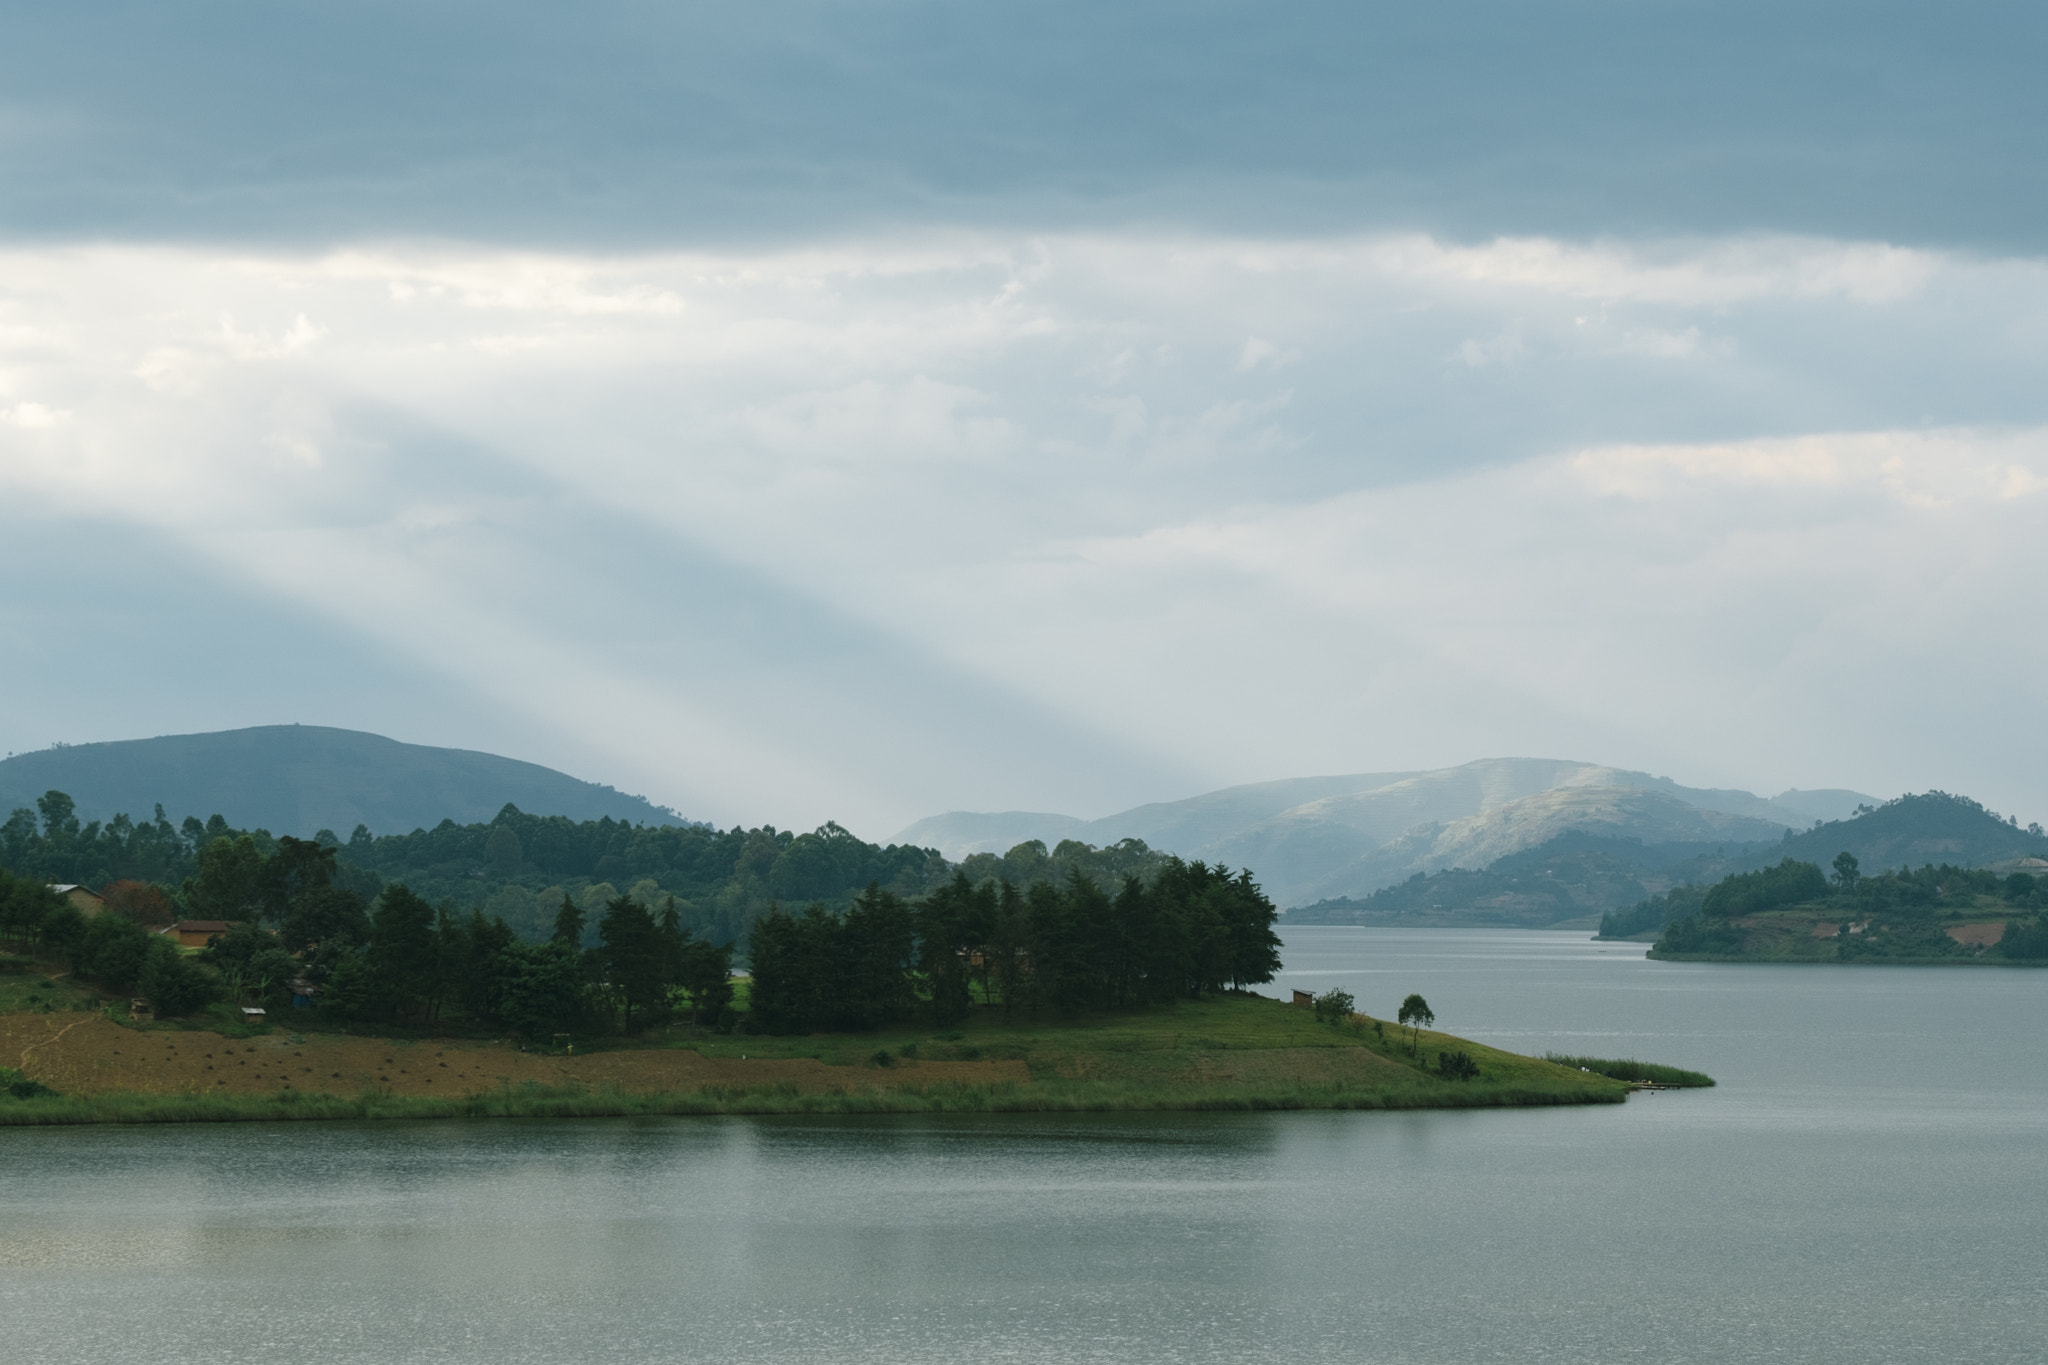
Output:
x=1230 y=1052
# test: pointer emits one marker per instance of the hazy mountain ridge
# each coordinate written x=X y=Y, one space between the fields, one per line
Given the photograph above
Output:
x=1476 y=841
x=1570 y=877
x=298 y=779
x=1579 y=872
x=1316 y=838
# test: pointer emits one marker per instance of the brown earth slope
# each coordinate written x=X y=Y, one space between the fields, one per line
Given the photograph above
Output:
x=89 y=1054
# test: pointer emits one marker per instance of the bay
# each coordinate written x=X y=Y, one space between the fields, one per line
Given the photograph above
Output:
x=1868 y=1182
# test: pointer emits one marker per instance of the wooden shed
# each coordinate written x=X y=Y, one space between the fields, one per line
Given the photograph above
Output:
x=194 y=933
x=84 y=897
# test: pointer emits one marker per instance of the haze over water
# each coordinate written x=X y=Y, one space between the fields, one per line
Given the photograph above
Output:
x=1868 y=1182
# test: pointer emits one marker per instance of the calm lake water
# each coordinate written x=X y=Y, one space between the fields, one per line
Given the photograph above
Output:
x=1868 y=1183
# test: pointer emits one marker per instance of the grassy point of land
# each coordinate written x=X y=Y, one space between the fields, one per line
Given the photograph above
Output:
x=1227 y=1052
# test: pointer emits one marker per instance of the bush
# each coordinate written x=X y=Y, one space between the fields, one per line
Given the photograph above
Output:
x=113 y=949
x=2024 y=942
x=1335 y=1005
x=20 y=1086
x=173 y=983
x=1456 y=1066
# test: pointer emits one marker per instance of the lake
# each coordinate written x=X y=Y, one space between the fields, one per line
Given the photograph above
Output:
x=1868 y=1182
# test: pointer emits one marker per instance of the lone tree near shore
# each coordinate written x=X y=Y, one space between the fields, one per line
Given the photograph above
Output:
x=1416 y=1014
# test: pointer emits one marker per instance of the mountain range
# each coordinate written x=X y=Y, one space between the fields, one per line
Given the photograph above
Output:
x=300 y=779
x=1320 y=838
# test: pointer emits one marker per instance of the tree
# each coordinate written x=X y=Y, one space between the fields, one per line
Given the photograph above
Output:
x=541 y=990
x=145 y=904
x=569 y=923
x=634 y=957
x=707 y=975
x=502 y=850
x=173 y=983
x=1335 y=1005
x=229 y=881
x=1846 y=873
x=1415 y=1014
x=405 y=954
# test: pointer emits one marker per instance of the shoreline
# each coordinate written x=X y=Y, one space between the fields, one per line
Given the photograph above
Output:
x=1225 y=1053
x=129 y=1108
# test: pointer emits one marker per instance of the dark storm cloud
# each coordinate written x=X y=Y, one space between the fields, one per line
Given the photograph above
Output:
x=633 y=123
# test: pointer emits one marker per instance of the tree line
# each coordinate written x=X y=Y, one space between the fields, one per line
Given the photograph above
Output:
x=518 y=867
x=1066 y=945
x=300 y=929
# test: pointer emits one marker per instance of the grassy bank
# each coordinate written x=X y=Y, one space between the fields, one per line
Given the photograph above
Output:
x=1629 y=1069
x=1225 y=1053
x=542 y=1102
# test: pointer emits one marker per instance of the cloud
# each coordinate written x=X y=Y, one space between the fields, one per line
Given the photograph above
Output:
x=621 y=124
x=873 y=527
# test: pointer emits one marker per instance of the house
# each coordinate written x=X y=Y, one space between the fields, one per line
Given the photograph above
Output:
x=1304 y=999
x=195 y=933
x=87 y=902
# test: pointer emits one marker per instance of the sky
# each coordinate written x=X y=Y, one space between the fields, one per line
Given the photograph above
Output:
x=857 y=411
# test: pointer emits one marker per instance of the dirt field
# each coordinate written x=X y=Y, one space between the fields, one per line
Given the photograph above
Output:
x=89 y=1054
x=1977 y=935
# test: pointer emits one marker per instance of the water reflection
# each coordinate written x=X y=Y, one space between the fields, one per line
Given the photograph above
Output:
x=1866 y=1184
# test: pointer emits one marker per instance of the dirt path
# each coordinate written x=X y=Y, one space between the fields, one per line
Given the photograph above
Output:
x=23 y=1063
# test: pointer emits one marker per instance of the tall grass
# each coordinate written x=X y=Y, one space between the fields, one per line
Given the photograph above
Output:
x=941 y=1097
x=1629 y=1069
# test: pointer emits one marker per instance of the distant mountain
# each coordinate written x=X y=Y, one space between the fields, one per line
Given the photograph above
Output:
x=1569 y=877
x=299 y=779
x=961 y=833
x=1581 y=872
x=1321 y=837
x=1612 y=812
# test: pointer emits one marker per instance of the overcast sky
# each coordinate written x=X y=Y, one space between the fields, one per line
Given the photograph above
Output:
x=862 y=410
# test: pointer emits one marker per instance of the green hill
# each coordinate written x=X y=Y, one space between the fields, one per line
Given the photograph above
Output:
x=1935 y=833
x=1934 y=827
x=300 y=779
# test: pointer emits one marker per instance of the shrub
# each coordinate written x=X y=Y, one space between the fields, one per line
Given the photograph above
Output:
x=1456 y=1065
x=173 y=982
x=1335 y=1005
x=20 y=1086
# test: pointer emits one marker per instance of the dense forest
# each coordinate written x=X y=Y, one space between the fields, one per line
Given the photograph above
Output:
x=1068 y=945
x=885 y=932
x=518 y=867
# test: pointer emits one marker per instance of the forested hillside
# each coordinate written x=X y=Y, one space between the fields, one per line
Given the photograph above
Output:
x=1793 y=911
x=871 y=934
x=1927 y=831
x=520 y=867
